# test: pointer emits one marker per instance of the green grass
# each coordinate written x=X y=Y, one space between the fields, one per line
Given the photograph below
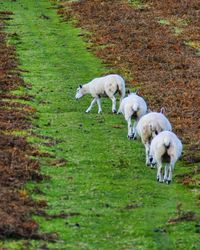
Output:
x=137 y=3
x=105 y=180
x=164 y=21
x=194 y=45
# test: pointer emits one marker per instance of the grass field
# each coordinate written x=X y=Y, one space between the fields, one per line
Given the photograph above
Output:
x=116 y=201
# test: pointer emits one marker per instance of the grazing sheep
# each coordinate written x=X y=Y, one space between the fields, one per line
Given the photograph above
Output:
x=165 y=148
x=108 y=85
x=131 y=107
x=149 y=126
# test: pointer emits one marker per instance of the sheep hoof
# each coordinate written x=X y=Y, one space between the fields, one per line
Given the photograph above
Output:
x=130 y=137
x=87 y=111
x=148 y=164
x=168 y=182
x=114 y=111
x=134 y=136
x=100 y=112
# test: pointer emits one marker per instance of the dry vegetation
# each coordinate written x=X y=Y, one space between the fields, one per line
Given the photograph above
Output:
x=16 y=167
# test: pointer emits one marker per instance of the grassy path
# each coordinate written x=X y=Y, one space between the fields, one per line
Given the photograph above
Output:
x=119 y=204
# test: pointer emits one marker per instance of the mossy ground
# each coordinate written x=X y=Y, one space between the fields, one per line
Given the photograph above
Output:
x=105 y=181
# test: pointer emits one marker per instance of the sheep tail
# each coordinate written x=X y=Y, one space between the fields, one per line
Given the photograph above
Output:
x=122 y=89
x=167 y=142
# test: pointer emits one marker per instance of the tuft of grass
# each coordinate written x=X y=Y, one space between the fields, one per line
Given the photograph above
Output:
x=116 y=199
x=137 y=4
x=164 y=21
x=193 y=44
x=178 y=30
x=177 y=24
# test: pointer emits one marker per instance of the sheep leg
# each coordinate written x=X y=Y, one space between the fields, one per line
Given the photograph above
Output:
x=166 y=173
x=147 y=149
x=99 y=105
x=119 y=111
x=171 y=168
x=121 y=98
x=159 y=172
x=113 y=104
x=134 y=130
x=91 y=105
x=130 y=132
x=169 y=179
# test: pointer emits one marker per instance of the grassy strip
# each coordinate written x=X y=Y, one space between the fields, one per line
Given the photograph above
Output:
x=115 y=200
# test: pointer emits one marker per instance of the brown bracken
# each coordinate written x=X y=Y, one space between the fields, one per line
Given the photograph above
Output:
x=16 y=167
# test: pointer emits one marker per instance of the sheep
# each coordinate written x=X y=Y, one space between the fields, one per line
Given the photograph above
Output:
x=165 y=148
x=108 y=85
x=149 y=126
x=132 y=106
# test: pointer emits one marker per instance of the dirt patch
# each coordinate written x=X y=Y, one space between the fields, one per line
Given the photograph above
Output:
x=150 y=54
x=16 y=167
x=57 y=216
x=182 y=215
x=58 y=162
x=131 y=206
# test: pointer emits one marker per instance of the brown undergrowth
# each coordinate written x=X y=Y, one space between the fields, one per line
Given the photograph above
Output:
x=16 y=167
x=157 y=59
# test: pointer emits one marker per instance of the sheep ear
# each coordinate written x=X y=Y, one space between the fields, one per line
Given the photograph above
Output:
x=162 y=111
x=149 y=110
x=80 y=86
x=137 y=92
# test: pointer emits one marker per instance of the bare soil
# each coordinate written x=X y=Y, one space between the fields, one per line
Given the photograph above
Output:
x=159 y=62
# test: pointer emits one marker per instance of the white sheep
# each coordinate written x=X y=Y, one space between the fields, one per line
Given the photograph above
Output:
x=103 y=86
x=132 y=107
x=149 y=126
x=165 y=148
